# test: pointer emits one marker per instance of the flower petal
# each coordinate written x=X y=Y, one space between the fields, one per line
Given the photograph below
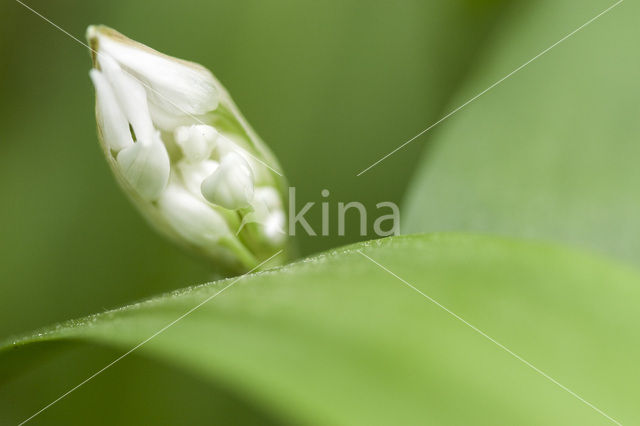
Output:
x=231 y=185
x=112 y=122
x=196 y=141
x=146 y=167
x=193 y=219
x=131 y=97
x=177 y=86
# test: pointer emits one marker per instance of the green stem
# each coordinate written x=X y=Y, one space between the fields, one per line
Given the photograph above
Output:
x=243 y=254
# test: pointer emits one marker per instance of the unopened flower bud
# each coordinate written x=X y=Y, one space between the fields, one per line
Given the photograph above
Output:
x=184 y=154
x=145 y=166
x=191 y=218
x=231 y=185
x=196 y=141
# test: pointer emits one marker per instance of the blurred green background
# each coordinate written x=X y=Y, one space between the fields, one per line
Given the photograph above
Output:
x=331 y=86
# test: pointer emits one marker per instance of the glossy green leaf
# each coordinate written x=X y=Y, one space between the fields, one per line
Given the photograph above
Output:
x=336 y=339
x=552 y=151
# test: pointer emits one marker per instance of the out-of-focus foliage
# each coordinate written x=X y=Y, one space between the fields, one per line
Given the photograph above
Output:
x=337 y=340
x=552 y=152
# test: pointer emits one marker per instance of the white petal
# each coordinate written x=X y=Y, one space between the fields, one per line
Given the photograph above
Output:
x=179 y=87
x=231 y=185
x=168 y=122
x=112 y=122
x=146 y=167
x=194 y=173
x=225 y=145
x=131 y=97
x=196 y=141
x=273 y=227
x=192 y=218
x=269 y=196
x=267 y=212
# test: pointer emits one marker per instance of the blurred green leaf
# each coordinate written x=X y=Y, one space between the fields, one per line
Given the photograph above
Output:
x=552 y=152
x=335 y=339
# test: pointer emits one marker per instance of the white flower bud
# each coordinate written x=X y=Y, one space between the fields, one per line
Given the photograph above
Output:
x=270 y=197
x=182 y=150
x=191 y=218
x=193 y=174
x=196 y=141
x=274 y=227
x=272 y=218
x=146 y=167
x=231 y=185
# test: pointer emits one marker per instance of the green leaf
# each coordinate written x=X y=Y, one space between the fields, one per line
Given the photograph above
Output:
x=552 y=151
x=336 y=339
